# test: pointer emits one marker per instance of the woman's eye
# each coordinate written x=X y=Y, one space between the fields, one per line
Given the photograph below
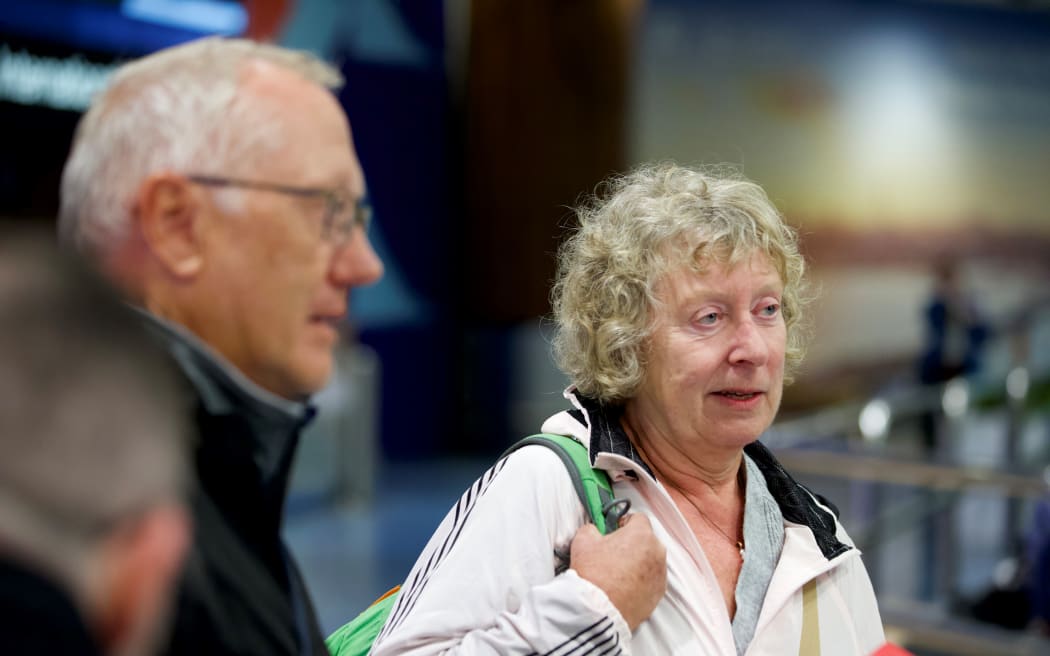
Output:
x=708 y=319
x=771 y=310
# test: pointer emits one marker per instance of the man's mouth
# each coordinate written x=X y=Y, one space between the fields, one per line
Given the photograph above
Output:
x=331 y=317
x=329 y=321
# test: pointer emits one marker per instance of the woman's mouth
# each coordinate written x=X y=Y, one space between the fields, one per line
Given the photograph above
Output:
x=740 y=395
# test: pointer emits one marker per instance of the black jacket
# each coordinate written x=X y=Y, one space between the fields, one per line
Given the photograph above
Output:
x=36 y=617
x=241 y=592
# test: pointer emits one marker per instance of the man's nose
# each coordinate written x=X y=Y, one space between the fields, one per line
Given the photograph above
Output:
x=355 y=263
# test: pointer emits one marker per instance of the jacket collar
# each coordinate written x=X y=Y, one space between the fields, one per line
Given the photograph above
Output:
x=797 y=504
x=273 y=422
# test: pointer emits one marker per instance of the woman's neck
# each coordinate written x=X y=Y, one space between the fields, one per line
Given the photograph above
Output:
x=686 y=466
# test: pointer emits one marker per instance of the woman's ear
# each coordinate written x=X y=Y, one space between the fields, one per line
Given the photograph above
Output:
x=169 y=213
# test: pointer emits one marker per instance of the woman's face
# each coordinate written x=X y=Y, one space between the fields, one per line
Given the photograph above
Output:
x=715 y=368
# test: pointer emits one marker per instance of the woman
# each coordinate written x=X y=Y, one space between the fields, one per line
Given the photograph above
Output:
x=678 y=302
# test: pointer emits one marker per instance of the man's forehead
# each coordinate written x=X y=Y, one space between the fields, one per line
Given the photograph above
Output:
x=316 y=119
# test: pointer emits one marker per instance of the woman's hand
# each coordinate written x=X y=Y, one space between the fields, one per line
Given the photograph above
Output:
x=629 y=565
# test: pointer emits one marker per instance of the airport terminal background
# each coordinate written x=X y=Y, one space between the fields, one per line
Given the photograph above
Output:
x=899 y=137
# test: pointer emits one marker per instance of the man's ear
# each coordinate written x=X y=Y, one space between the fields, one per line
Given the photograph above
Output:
x=142 y=561
x=169 y=213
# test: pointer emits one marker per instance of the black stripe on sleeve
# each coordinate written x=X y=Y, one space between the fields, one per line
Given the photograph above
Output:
x=410 y=595
x=598 y=638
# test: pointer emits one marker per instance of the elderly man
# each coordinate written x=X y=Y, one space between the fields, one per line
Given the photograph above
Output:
x=92 y=465
x=216 y=184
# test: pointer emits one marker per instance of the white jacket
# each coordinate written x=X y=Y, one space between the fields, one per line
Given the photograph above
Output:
x=485 y=582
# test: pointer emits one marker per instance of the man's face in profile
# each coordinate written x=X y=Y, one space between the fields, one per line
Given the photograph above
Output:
x=280 y=287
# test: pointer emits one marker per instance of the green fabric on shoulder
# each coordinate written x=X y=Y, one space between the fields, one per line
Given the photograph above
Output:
x=355 y=638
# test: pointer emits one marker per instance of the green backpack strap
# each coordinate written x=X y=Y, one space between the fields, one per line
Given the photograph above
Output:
x=592 y=486
x=355 y=638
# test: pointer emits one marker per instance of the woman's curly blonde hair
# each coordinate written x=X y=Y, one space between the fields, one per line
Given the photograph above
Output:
x=639 y=227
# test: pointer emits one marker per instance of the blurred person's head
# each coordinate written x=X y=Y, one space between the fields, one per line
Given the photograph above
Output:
x=946 y=272
x=217 y=184
x=622 y=270
x=92 y=447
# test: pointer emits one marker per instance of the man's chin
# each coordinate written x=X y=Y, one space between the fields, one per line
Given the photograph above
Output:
x=300 y=381
x=314 y=378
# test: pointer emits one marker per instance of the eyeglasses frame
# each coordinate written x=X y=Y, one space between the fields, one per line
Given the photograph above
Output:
x=334 y=202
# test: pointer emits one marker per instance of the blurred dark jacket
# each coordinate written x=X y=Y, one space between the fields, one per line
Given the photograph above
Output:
x=37 y=617
x=241 y=592
x=953 y=342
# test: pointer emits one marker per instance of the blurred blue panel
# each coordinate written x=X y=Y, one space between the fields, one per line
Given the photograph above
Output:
x=88 y=26
x=207 y=16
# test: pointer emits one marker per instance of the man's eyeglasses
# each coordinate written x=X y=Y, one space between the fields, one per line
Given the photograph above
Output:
x=341 y=214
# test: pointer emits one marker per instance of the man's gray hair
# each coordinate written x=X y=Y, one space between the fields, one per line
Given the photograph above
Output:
x=179 y=110
x=93 y=423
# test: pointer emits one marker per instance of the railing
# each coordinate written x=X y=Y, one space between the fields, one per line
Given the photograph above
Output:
x=874 y=444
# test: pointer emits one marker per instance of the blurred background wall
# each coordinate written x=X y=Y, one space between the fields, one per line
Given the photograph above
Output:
x=892 y=134
x=897 y=136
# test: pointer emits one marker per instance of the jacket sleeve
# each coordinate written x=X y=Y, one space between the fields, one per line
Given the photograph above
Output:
x=857 y=597
x=858 y=600
x=485 y=583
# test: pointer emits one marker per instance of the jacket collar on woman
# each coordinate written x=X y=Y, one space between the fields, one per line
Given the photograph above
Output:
x=797 y=504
